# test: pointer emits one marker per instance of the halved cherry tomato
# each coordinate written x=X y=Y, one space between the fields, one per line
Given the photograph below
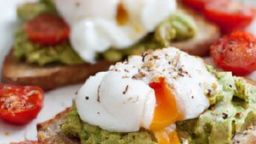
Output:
x=47 y=29
x=27 y=142
x=20 y=105
x=229 y=15
x=236 y=53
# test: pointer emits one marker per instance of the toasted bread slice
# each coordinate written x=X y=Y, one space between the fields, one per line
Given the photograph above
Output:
x=47 y=77
x=208 y=33
x=49 y=132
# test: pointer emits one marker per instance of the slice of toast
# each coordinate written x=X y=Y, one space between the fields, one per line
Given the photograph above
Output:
x=47 y=77
x=49 y=132
x=208 y=33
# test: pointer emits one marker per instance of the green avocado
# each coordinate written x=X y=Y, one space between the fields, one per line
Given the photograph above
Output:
x=176 y=27
x=28 y=11
x=89 y=134
x=233 y=112
x=42 y=55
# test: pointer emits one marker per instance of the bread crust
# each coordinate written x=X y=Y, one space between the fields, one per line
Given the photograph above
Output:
x=49 y=132
x=47 y=77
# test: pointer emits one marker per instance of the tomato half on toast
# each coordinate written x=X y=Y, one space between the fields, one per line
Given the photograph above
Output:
x=47 y=29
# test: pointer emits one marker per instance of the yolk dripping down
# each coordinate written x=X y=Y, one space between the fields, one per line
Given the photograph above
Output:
x=165 y=137
x=165 y=114
x=166 y=111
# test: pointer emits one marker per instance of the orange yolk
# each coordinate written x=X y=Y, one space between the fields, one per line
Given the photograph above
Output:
x=165 y=137
x=166 y=112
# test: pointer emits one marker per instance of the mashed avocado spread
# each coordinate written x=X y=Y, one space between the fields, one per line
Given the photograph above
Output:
x=88 y=134
x=232 y=110
x=176 y=27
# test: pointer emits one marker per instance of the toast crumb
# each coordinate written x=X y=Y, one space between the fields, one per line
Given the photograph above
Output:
x=7 y=133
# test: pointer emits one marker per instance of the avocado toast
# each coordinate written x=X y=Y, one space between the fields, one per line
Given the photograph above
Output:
x=53 y=66
x=226 y=116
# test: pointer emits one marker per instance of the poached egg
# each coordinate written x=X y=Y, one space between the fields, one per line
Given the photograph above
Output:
x=97 y=25
x=152 y=91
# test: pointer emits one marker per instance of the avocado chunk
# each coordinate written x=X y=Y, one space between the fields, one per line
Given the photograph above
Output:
x=28 y=11
x=232 y=113
x=177 y=27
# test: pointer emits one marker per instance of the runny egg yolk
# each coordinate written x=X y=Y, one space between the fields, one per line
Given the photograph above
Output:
x=166 y=112
x=165 y=137
x=122 y=15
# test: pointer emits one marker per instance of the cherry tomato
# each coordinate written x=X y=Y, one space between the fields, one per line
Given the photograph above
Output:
x=229 y=15
x=19 y=105
x=236 y=53
x=27 y=142
x=47 y=29
x=199 y=4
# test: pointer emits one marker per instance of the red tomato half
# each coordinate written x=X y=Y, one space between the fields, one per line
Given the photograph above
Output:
x=236 y=53
x=229 y=15
x=27 y=142
x=20 y=105
x=47 y=29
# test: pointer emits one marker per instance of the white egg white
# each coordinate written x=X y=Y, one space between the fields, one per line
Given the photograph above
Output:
x=187 y=75
x=95 y=27
x=126 y=102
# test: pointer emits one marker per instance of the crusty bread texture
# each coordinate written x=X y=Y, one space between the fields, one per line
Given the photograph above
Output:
x=49 y=132
x=47 y=77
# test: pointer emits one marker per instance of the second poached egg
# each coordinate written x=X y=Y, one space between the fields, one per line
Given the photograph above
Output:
x=97 y=25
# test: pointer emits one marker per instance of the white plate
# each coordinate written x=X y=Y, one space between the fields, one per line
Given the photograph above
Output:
x=55 y=101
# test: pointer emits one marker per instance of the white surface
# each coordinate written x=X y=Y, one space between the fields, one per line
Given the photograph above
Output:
x=55 y=101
